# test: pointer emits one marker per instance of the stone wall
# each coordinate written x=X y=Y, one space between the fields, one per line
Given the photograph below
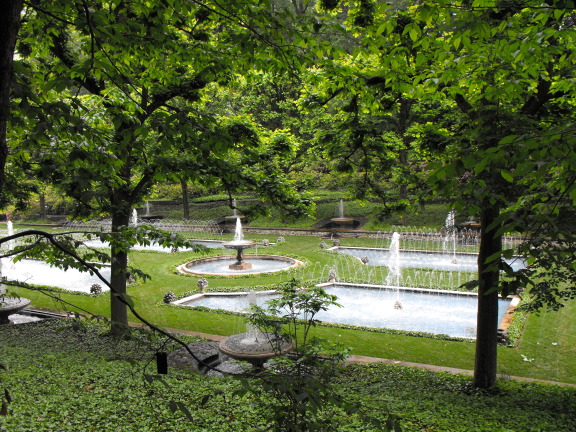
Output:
x=314 y=232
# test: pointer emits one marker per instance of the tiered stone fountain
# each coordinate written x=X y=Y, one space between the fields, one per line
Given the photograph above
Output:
x=224 y=265
x=239 y=244
x=254 y=346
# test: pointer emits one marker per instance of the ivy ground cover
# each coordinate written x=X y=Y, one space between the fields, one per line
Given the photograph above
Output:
x=75 y=378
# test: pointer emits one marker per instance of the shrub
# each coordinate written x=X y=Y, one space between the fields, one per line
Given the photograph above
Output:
x=298 y=384
x=169 y=297
x=95 y=289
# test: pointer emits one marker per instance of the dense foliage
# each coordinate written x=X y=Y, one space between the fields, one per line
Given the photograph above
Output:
x=497 y=80
x=61 y=379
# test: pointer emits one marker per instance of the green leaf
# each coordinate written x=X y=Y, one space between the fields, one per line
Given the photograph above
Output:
x=507 y=176
x=508 y=139
x=456 y=42
x=494 y=257
x=480 y=166
x=508 y=253
x=129 y=301
x=470 y=285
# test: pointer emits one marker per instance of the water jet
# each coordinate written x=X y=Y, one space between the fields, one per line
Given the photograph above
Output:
x=239 y=244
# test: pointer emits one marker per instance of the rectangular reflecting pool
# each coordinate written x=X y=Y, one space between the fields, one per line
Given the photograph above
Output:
x=41 y=273
x=422 y=310
x=423 y=259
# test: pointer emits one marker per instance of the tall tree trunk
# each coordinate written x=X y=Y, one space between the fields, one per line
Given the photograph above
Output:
x=9 y=27
x=185 y=204
x=401 y=129
x=119 y=265
x=43 y=212
x=487 y=320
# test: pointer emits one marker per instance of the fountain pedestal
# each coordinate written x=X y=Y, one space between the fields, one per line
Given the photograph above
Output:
x=240 y=266
x=239 y=246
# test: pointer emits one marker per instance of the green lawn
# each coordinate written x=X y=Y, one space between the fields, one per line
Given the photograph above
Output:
x=546 y=349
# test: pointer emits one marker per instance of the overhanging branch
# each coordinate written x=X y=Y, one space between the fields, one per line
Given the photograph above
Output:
x=123 y=298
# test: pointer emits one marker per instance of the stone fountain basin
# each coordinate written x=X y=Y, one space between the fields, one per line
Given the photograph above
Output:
x=244 y=347
x=11 y=305
x=218 y=265
x=234 y=244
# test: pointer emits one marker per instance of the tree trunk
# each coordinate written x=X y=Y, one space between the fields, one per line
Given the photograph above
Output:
x=487 y=320
x=119 y=265
x=185 y=204
x=43 y=212
x=401 y=129
x=9 y=27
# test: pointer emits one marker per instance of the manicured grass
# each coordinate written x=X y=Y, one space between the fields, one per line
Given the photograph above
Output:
x=548 y=339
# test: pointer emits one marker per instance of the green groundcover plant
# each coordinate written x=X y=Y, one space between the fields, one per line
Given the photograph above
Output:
x=63 y=377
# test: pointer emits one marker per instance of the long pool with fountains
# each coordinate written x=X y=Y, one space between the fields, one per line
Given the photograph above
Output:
x=411 y=309
x=423 y=259
x=392 y=305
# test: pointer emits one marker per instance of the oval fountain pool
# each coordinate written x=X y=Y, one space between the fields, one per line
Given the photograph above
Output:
x=220 y=265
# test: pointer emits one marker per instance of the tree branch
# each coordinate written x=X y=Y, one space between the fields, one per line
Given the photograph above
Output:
x=187 y=88
x=52 y=239
x=464 y=105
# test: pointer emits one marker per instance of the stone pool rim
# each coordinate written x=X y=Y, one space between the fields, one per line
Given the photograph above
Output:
x=183 y=268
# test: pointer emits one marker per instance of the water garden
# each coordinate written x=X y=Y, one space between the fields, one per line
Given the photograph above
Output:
x=346 y=320
x=380 y=279
x=413 y=288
